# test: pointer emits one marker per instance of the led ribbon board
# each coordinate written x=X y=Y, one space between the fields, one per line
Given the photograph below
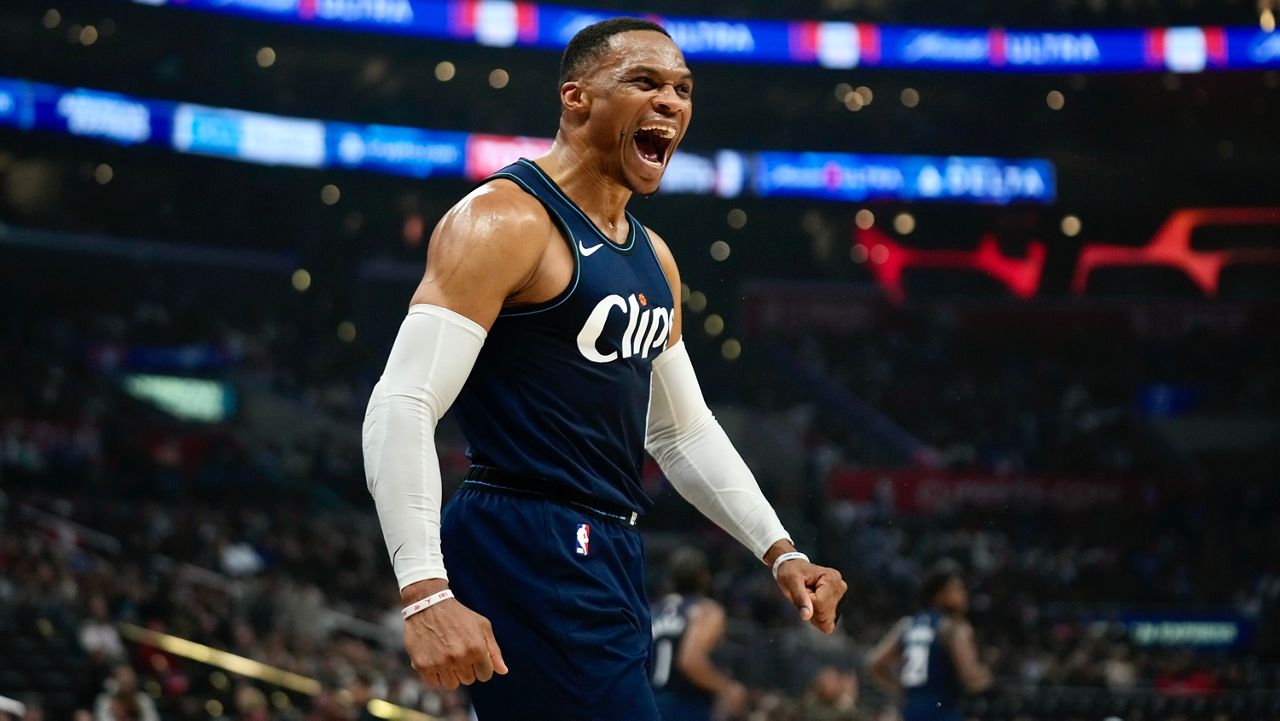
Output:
x=265 y=139
x=503 y=23
x=1170 y=247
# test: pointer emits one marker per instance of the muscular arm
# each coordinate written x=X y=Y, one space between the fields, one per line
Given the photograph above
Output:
x=692 y=449
x=706 y=627
x=885 y=659
x=974 y=675
x=698 y=458
x=486 y=252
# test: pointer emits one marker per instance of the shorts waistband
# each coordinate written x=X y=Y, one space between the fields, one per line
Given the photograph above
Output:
x=493 y=480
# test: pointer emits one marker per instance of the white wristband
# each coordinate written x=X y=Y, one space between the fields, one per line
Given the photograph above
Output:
x=777 y=562
x=428 y=602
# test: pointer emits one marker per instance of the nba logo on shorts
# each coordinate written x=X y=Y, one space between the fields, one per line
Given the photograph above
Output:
x=584 y=539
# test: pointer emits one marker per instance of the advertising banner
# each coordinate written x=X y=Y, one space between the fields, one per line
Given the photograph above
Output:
x=856 y=178
x=935 y=491
x=421 y=153
x=506 y=23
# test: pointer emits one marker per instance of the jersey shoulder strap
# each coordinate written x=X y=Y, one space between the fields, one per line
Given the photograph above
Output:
x=568 y=215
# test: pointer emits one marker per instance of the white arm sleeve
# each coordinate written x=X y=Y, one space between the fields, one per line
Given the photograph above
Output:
x=700 y=461
x=429 y=363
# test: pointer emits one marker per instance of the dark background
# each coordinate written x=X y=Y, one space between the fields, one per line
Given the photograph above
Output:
x=116 y=513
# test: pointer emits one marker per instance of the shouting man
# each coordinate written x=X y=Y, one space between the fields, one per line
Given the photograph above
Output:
x=551 y=316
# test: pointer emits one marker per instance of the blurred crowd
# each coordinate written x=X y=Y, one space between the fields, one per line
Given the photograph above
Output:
x=305 y=590
x=1078 y=400
x=120 y=517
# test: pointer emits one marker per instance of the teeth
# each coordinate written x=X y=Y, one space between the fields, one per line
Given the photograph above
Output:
x=662 y=130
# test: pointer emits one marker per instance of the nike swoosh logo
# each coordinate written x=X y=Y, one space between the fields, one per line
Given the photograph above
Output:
x=396 y=553
x=588 y=251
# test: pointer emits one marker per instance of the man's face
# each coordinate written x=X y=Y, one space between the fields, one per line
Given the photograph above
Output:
x=125 y=678
x=954 y=597
x=641 y=99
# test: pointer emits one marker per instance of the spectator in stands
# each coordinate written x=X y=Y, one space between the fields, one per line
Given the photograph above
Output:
x=251 y=704
x=1181 y=677
x=304 y=566
x=1118 y=670
x=98 y=634
x=833 y=696
x=361 y=695
x=238 y=558
x=327 y=708
x=121 y=700
x=34 y=709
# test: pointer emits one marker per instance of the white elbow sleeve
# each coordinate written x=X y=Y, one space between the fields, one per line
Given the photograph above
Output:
x=429 y=363
x=700 y=461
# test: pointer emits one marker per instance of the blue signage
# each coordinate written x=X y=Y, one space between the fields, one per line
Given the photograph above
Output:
x=504 y=23
x=936 y=48
x=395 y=150
x=1254 y=48
x=252 y=137
x=848 y=177
x=94 y=114
x=421 y=153
x=1196 y=630
x=14 y=104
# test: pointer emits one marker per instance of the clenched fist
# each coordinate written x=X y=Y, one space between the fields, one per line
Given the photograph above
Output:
x=449 y=644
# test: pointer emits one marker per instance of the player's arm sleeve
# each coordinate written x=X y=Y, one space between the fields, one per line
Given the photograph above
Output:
x=697 y=457
x=430 y=360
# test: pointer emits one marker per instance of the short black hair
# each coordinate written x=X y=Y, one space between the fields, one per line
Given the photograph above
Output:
x=937 y=579
x=689 y=570
x=590 y=42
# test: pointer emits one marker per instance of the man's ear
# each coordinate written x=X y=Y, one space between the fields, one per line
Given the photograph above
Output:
x=573 y=97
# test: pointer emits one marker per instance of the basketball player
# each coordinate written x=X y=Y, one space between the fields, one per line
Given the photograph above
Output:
x=551 y=315
x=687 y=627
x=931 y=658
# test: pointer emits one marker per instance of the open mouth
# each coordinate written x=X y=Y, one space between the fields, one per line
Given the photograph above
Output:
x=653 y=142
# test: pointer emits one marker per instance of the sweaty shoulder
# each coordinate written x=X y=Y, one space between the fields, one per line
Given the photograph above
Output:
x=487 y=248
x=498 y=212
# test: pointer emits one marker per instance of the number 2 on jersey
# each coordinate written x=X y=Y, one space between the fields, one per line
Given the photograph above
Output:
x=915 y=668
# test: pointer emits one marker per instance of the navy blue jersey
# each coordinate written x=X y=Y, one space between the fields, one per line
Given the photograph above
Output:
x=928 y=675
x=678 y=697
x=560 y=391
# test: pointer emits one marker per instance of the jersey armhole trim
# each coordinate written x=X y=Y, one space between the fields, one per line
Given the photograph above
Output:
x=648 y=239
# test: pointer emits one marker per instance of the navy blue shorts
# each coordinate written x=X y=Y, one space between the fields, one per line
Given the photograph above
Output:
x=567 y=605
